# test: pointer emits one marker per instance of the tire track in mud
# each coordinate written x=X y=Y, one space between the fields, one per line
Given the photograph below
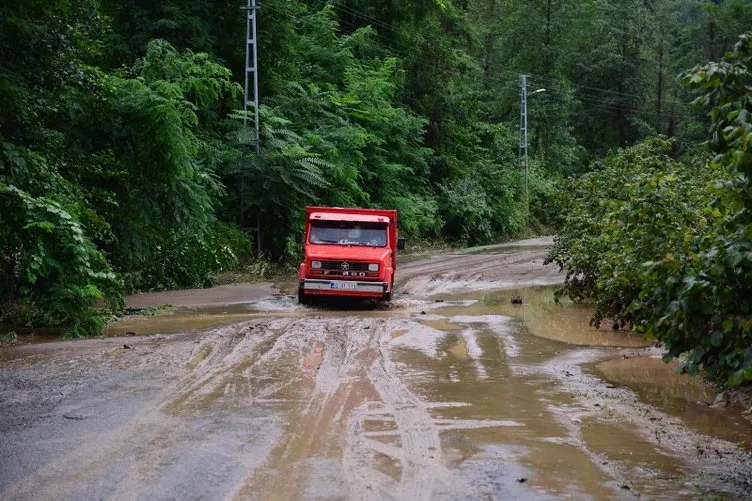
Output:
x=328 y=396
x=497 y=267
x=138 y=448
x=355 y=388
x=251 y=361
x=393 y=446
x=418 y=453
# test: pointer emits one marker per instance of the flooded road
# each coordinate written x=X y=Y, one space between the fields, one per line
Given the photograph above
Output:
x=451 y=392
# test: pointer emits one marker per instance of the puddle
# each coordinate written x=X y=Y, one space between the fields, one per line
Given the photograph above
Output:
x=204 y=317
x=503 y=410
x=467 y=365
x=459 y=350
x=543 y=317
x=617 y=444
x=176 y=322
x=442 y=324
x=10 y=337
x=680 y=395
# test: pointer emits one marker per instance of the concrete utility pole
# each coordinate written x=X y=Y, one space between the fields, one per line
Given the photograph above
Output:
x=251 y=97
x=522 y=155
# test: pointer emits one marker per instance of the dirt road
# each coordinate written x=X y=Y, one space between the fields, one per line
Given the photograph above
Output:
x=451 y=392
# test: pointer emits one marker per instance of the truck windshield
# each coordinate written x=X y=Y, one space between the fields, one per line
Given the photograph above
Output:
x=348 y=233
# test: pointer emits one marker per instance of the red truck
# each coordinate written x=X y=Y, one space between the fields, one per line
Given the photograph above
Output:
x=349 y=252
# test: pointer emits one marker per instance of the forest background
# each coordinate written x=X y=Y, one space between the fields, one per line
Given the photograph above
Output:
x=124 y=164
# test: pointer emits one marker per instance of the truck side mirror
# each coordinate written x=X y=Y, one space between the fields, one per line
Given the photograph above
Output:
x=299 y=237
x=400 y=244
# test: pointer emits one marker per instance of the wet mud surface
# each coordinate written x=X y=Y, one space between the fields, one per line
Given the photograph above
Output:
x=450 y=392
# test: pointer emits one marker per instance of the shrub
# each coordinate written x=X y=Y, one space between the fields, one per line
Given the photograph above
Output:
x=48 y=262
x=666 y=247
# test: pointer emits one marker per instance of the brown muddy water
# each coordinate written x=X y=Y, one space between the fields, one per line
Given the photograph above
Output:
x=689 y=398
x=577 y=442
x=544 y=317
x=463 y=396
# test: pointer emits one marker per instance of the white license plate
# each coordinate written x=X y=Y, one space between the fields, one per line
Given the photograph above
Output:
x=344 y=286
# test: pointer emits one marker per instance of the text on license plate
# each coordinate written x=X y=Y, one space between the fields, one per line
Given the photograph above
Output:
x=344 y=285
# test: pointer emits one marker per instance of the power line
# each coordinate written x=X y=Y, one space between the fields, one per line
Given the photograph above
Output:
x=606 y=91
x=366 y=17
x=594 y=101
x=388 y=44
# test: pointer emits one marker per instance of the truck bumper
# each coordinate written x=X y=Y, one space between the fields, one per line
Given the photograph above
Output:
x=344 y=288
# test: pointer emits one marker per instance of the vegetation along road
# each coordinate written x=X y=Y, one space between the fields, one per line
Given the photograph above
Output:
x=613 y=360
x=455 y=390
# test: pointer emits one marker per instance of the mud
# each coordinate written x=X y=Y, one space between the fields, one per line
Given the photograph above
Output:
x=221 y=295
x=689 y=398
x=545 y=317
x=446 y=394
x=494 y=267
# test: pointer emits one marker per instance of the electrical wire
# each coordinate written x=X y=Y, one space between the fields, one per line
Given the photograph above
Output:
x=388 y=45
x=363 y=16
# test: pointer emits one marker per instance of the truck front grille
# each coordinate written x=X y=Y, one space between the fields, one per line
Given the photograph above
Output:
x=344 y=266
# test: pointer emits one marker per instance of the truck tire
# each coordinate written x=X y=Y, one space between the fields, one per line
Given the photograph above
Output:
x=386 y=297
x=302 y=298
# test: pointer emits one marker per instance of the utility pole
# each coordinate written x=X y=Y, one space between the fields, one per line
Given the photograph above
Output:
x=251 y=97
x=522 y=155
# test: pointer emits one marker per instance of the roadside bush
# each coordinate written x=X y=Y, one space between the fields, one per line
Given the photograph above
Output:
x=631 y=229
x=666 y=247
x=48 y=263
x=631 y=210
x=547 y=199
x=706 y=309
x=182 y=260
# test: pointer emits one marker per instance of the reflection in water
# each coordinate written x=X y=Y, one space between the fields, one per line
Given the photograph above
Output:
x=553 y=460
x=568 y=446
x=681 y=395
x=544 y=317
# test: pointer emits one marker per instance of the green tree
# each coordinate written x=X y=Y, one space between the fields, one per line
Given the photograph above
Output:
x=666 y=247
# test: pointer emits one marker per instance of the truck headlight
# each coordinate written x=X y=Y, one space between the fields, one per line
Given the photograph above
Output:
x=316 y=264
x=373 y=267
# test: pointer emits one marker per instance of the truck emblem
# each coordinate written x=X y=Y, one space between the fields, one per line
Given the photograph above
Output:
x=345 y=266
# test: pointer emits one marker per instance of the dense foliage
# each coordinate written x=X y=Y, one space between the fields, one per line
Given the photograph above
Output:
x=124 y=117
x=665 y=246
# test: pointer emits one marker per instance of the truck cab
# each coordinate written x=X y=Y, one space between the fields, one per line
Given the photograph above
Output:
x=349 y=252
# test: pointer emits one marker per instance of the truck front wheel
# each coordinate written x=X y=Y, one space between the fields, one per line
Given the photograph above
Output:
x=302 y=298
x=387 y=296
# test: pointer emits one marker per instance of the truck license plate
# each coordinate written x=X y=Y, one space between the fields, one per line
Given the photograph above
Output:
x=344 y=286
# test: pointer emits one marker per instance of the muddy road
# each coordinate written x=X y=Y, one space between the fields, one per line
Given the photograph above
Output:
x=450 y=392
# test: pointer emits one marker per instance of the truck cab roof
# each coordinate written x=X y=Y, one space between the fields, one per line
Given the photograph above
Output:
x=340 y=216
